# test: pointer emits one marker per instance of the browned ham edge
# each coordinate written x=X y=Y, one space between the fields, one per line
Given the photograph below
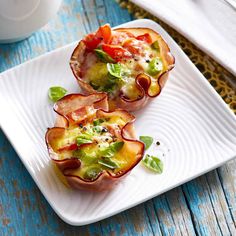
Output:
x=142 y=80
x=106 y=179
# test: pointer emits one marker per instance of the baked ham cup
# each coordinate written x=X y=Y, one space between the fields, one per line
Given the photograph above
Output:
x=93 y=148
x=130 y=64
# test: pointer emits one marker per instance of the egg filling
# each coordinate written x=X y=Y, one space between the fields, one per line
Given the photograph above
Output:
x=98 y=144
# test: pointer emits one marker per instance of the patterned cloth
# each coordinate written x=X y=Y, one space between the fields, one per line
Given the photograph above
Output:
x=223 y=81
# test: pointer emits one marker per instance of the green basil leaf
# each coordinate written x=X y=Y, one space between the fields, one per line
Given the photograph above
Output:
x=83 y=138
x=116 y=146
x=107 y=152
x=97 y=129
x=94 y=85
x=86 y=135
x=103 y=56
x=82 y=141
x=92 y=172
x=147 y=140
x=108 y=163
x=55 y=93
x=153 y=163
x=79 y=153
x=98 y=122
x=87 y=157
x=114 y=70
x=155 y=66
x=109 y=87
x=155 y=45
x=111 y=149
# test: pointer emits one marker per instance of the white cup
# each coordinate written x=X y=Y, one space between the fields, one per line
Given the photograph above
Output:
x=20 y=18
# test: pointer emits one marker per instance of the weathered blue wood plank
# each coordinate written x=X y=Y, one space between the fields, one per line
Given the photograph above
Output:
x=227 y=178
x=23 y=209
x=208 y=206
x=26 y=207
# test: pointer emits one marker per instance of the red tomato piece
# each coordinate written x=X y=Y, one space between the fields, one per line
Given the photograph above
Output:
x=132 y=45
x=104 y=32
x=70 y=147
x=116 y=52
x=91 y=41
x=145 y=37
x=119 y=37
x=129 y=34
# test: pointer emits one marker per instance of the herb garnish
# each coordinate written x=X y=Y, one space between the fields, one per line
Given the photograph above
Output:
x=114 y=70
x=98 y=121
x=153 y=163
x=55 y=93
x=111 y=149
x=155 y=45
x=109 y=163
x=155 y=66
x=103 y=56
x=83 y=138
x=147 y=140
x=92 y=172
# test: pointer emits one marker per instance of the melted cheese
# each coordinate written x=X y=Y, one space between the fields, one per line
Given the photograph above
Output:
x=97 y=72
x=125 y=157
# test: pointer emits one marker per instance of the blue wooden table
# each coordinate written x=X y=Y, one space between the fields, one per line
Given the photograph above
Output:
x=204 y=206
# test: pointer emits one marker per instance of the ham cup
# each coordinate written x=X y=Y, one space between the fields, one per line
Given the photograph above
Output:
x=130 y=64
x=93 y=148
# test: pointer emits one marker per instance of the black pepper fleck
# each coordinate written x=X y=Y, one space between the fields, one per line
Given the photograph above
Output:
x=104 y=130
x=158 y=143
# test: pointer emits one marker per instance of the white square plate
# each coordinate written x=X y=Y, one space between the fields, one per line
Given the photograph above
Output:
x=196 y=129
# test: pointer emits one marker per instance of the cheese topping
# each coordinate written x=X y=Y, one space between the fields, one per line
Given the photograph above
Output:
x=131 y=57
x=97 y=144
